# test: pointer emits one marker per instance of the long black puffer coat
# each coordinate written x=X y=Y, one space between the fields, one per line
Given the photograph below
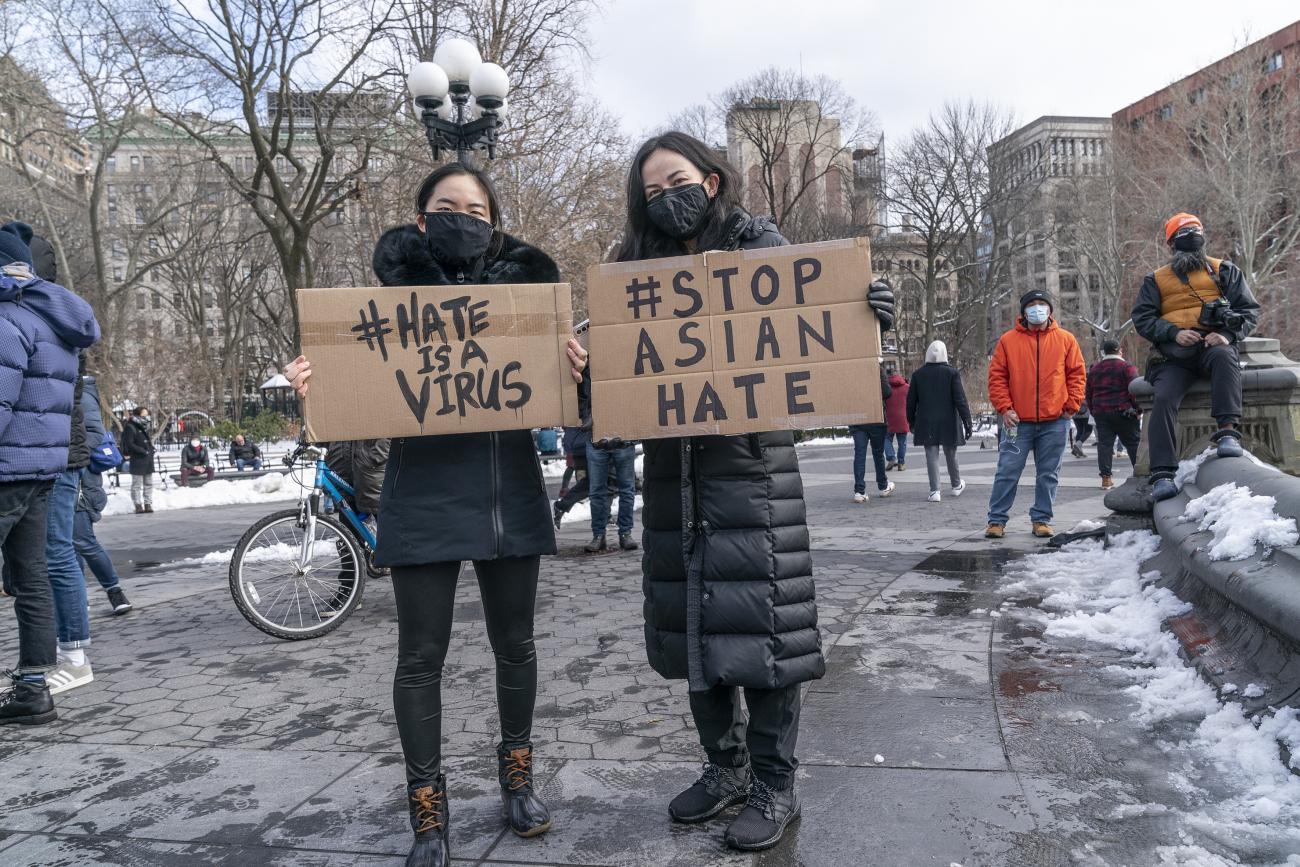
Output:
x=477 y=496
x=937 y=410
x=729 y=596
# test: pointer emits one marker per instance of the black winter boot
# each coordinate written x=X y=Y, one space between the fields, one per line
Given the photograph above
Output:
x=524 y=812
x=429 y=820
x=627 y=542
x=766 y=815
x=595 y=546
x=24 y=703
x=717 y=789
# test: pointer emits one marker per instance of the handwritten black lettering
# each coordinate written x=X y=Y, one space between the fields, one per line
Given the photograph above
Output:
x=431 y=322
x=725 y=275
x=523 y=389
x=806 y=330
x=759 y=273
x=478 y=318
x=444 y=388
x=456 y=307
x=683 y=335
x=795 y=389
x=646 y=352
x=729 y=339
x=747 y=381
x=464 y=384
x=709 y=405
x=490 y=400
x=681 y=286
x=471 y=352
x=806 y=270
x=766 y=339
x=643 y=293
x=408 y=327
x=420 y=405
x=677 y=405
x=372 y=330
x=426 y=359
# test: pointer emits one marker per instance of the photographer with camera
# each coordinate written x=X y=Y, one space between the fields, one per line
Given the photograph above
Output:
x=1195 y=311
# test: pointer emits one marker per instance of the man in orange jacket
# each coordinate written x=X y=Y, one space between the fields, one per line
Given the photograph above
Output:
x=1036 y=383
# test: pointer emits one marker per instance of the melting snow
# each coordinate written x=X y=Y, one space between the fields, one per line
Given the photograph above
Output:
x=1240 y=520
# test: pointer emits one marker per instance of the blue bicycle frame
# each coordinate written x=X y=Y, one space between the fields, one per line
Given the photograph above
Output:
x=330 y=485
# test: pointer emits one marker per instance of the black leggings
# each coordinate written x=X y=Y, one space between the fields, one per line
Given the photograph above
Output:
x=426 y=599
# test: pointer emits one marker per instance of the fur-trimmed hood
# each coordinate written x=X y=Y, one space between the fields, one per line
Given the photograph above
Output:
x=402 y=258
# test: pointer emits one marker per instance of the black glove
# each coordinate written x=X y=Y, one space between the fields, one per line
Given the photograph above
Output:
x=880 y=296
x=968 y=433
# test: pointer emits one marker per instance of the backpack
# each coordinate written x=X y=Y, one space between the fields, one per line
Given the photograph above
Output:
x=106 y=456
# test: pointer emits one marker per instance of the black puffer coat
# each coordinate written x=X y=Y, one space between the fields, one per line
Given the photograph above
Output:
x=137 y=447
x=476 y=496
x=729 y=596
x=937 y=410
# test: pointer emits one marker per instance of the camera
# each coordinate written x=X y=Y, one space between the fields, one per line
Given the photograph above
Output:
x=1218 y=315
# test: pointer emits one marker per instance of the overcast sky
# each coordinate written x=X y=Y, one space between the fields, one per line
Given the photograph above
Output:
x=903 y=58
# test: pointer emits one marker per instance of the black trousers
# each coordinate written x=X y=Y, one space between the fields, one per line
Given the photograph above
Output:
x=1109 y=426
x=1171 y=380
x=426 y=598
x=766 y=740
x=23 y=508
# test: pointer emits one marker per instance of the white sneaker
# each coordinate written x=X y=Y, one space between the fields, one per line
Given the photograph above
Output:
x=67 y=676
x=959 y=487
x=935 y=497
x=889 y=489
x=860 y=498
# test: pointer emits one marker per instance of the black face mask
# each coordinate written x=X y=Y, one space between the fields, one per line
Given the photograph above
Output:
x=1192 y=242
x=456 y=239
x=680 y=212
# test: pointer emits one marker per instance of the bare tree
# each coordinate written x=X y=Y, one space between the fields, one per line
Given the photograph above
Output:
x=793 y=136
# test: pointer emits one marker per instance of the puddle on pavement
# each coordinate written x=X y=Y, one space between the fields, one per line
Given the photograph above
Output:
x=967 y=561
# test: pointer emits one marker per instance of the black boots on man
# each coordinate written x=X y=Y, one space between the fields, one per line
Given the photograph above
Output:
x=523 y=811
x=24 y=703
x=429 y=820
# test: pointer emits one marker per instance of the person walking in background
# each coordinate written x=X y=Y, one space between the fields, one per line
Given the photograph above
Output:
x=195 y=459
x=874 y=435
x=896 y=427
x=939 y=416
x=42 y=325
x=574 y=487
x=244 y=455
x=1081 y=430
x=138 y=449
x=91 y=501
x=602 y=458
x=1114 y=408
x=1036 y=383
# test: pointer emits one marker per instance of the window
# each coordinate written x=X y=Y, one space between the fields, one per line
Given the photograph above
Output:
x=1196 y=97
x=110 y=165
x=1094 y=283
x=1040 y=263
x=1166 y=111
x=139 y=215
x=208 y=300
x=1069 y=283
x=180 y=329
x=140 y=301
x=119 y=250
x=153 y=244
x=1274 y=63
x=148 y=163
x=157 y=301
x=117 y=272
x=135 y=164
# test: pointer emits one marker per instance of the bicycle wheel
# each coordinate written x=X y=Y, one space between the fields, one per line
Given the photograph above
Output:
x=290 y=599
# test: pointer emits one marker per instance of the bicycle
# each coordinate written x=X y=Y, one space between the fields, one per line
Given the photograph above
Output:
x=299 y=573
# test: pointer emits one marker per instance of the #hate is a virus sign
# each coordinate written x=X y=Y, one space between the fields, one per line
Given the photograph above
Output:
x=412 y=361
x=735 y=342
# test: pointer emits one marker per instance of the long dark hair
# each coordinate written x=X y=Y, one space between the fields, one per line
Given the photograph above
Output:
x=641 y=239
x=436 y=177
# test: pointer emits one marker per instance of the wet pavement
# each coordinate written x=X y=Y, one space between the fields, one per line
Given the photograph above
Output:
x=943 y=733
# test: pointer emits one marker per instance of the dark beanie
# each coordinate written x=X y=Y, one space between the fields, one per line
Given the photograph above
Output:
x=1036 y=295
x=1109 y=347
x=14 y=238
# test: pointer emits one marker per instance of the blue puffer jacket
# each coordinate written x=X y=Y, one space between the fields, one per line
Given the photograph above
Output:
x=42 y=325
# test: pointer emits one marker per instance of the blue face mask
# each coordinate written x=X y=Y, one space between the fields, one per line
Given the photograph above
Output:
x=1037 y=314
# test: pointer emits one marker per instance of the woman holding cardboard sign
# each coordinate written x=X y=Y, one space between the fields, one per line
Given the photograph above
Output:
x=730 y=601
x=447 y=499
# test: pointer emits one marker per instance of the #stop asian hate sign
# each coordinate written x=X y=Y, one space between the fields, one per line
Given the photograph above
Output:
x=735 y=342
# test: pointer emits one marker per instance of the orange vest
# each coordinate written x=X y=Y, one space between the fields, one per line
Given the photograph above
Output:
x=1180 y=303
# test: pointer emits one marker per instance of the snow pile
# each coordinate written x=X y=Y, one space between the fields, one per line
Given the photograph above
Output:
x=581 y=512
x=264 y=489
x=1188 y=469
x=1086 y=526
x=1100 y=594
x=1240 y=520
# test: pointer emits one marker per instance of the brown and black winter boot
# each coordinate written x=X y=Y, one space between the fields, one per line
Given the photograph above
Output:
x=524 y=812
x=429 y=820
x=148 y=508
x=139 y=509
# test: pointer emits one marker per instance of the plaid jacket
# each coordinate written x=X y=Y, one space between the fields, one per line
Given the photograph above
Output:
x=1108 y=381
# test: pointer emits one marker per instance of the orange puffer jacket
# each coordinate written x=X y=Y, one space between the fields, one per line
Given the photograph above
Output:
x=1039 y=374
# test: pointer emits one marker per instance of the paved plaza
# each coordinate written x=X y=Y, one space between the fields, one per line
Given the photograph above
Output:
x=940 y=735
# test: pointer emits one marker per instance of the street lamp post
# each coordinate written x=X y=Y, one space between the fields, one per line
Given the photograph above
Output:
x=443 y=89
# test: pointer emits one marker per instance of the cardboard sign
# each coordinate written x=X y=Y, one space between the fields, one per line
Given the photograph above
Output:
x=734 y=342
x=412 y=361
